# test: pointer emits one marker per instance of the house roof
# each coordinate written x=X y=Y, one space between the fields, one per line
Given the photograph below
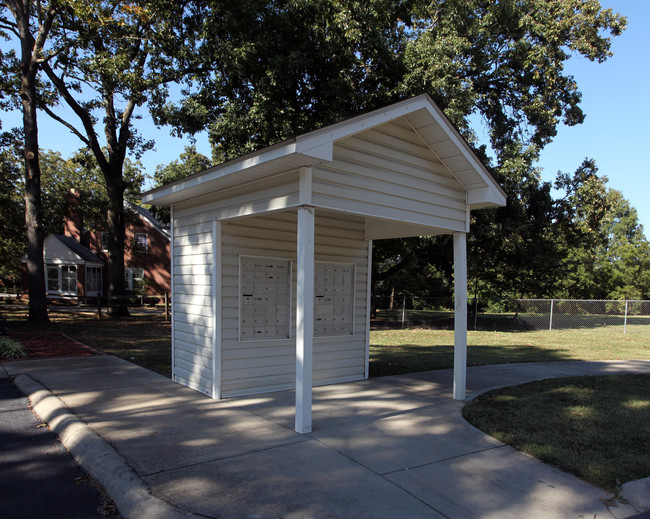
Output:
x=151 y=219
x=83 y=253
x=422 y=115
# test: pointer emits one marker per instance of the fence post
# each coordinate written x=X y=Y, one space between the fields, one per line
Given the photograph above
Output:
x=475 y=311
x=99 y=307
x=550 y=320
x=403 y=311
x=166 y=307
x=625 y=321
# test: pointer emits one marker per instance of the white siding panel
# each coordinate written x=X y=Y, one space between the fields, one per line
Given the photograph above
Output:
x=193 y=380
x=263 y=366
x=192 y=300
x=385 y=175
x=195 y=329
x=203 y=362
x=56 y=252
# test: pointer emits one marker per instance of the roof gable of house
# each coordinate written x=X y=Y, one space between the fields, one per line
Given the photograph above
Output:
x=419 y=116
x=60 y=249
x=145 y=215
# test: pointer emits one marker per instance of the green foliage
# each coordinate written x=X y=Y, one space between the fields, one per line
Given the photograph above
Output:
x=12 y=214
x=188 y=163
x=505 y=60
x=607 y=254
x=118 y=57
x=81 y=172
x=10 y=349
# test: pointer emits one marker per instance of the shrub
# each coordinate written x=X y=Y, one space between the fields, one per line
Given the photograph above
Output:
x=10 y=349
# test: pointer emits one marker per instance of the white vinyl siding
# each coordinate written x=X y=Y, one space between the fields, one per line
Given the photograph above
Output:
x=389 y=173
x=270 y=365
x=192 y=306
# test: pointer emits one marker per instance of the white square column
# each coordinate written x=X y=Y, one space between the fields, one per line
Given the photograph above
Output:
x=304 y=318
x=460 y=315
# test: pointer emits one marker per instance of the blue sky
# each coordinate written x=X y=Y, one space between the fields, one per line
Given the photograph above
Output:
x=615 y=133
x=615 y=97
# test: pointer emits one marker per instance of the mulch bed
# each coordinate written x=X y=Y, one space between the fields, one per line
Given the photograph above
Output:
x=49 y=345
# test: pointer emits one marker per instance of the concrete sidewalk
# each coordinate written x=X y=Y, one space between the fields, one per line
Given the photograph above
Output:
x=381 y=448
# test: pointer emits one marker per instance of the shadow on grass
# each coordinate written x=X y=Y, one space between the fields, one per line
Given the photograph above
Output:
x=144 y=339
x=594 y=427
x=409 y=358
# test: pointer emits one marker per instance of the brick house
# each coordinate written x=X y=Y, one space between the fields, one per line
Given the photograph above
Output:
x=75 y=261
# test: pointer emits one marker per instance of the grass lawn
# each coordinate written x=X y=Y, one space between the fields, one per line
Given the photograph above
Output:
x=143 y=338
x=406 y=351
x=597 y=428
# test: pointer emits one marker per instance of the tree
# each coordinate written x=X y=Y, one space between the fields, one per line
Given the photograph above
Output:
x=627 y=253
x=283 y=67
x=80 y=172
x=12 y=212
x=287 y=67
x=607 y=254
x=125 y=55
x=189 y=162
x=30 y=24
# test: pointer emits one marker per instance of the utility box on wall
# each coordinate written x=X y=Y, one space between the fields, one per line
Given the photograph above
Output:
x=265 y=304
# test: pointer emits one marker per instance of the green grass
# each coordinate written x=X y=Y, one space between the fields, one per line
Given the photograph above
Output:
x=406 y=351
x=143 y=339
x=597 y=428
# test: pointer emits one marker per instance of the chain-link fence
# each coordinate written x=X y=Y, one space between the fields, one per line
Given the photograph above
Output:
x=390 y=311
x=575 y=313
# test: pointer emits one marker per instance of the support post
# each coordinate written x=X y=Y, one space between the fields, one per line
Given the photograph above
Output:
x=460 y=315
x=304 y=318
x=216 y=310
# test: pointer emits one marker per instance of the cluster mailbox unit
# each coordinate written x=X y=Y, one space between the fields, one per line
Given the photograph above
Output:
x=271 y=252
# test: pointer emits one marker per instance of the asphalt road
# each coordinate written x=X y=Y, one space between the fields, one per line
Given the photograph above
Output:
x=38 y=477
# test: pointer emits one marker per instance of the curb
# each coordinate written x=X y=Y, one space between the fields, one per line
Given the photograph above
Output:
x=637 y=493
x=129 y=492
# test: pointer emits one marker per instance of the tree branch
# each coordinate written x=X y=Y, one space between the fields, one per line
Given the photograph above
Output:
x=83 y=115
x=65 y=123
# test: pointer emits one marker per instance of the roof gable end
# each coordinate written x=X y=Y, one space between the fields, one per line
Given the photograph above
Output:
x=420 y=114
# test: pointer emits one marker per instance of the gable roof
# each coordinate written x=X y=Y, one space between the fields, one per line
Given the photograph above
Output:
x=149 y=218
x=82 y=253
x=422 y=115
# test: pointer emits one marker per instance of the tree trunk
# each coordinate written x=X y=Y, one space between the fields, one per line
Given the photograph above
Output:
x=33 y=206
x=115 y=267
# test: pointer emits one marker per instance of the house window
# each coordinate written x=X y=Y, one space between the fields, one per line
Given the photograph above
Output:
x=133 y=278
x=93 y=281
x=105 y=238
x=69 y=278
x=140 y=242
x=52 y=279
x=62 y=279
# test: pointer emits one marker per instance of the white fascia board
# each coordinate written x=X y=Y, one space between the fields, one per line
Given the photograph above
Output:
x=485 y=197
x=159 y=195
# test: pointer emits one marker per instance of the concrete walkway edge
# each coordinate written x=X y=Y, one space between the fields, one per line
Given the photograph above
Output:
x=129 y=492
x=637 y=493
